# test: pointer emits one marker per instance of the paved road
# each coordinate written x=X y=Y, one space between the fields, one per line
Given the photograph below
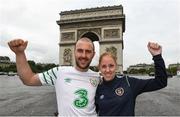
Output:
x=165 y=102
x=19 y=100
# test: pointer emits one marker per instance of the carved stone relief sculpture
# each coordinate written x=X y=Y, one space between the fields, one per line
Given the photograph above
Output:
x=68 y=36
x=111 y=33
x=67 y=56
x=112 y=50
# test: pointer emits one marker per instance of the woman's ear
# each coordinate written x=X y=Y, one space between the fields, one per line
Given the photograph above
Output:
x=116 y=67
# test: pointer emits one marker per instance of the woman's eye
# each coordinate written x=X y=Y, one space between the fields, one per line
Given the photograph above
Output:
x=103 y=66
x=111 y=65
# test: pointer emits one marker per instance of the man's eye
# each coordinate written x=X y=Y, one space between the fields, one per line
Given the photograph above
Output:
x=80 y=51
x=88 y=51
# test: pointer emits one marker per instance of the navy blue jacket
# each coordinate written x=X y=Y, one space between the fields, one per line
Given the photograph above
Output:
x=117 y=97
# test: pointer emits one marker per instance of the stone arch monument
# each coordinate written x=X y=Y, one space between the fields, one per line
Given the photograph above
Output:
x=103 y=24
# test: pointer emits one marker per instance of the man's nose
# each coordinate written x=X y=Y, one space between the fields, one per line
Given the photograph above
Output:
x=84 y=54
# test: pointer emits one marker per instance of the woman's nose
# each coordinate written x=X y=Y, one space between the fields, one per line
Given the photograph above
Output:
x=107 y=69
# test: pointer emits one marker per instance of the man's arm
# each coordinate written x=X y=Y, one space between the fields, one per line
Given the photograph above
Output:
x=25 y=73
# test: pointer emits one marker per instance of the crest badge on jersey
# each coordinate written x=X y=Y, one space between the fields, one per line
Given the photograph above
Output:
x=119 y=91
x=101 y=97
x=94 y=82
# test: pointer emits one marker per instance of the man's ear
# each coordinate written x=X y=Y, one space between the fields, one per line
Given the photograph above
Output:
x=94 y=53
x=98 y=66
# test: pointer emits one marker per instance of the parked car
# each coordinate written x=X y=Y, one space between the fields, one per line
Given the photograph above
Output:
x=12 y=73
x=2 y=73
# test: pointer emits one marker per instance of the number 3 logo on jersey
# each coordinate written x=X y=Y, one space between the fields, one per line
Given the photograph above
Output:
x=82 y=99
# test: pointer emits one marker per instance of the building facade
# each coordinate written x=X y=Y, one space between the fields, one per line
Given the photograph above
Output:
x=103 y=24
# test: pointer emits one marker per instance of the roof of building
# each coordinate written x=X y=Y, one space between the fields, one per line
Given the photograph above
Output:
x=92 y=9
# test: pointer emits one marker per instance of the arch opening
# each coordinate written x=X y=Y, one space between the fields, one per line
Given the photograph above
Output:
x=91 y=36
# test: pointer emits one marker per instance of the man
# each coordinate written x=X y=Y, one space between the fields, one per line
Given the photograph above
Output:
x=75 y=86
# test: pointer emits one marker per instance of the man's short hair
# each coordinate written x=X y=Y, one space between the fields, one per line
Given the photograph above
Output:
x=87 y=40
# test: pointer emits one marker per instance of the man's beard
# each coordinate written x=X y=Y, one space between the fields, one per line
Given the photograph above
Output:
x=85 y=67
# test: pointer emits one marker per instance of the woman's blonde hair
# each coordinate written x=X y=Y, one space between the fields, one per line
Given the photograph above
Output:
x=107 y=54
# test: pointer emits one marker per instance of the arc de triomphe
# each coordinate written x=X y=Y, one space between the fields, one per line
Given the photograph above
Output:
x=103 y=24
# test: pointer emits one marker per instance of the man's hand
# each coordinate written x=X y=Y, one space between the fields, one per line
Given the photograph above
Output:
x=18 y=45
x=154 y=48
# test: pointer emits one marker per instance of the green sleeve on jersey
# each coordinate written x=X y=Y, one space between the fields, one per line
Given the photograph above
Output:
x=49 y=77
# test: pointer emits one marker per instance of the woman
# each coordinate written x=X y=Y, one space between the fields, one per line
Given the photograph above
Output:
x=116 y=95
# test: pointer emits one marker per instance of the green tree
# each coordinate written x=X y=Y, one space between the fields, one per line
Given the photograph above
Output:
x=12 y=68
x=94 y=68
x=142 y=71
x=133 y=71
x=32 y=64
x=150 y=70
x=39 y=68
x=1 y=69
x=49 y=66
x=172 y=70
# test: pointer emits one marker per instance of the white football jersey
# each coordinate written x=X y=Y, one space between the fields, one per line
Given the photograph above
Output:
x=75 y=90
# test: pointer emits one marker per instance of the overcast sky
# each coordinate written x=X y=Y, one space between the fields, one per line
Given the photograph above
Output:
x=146 y=20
